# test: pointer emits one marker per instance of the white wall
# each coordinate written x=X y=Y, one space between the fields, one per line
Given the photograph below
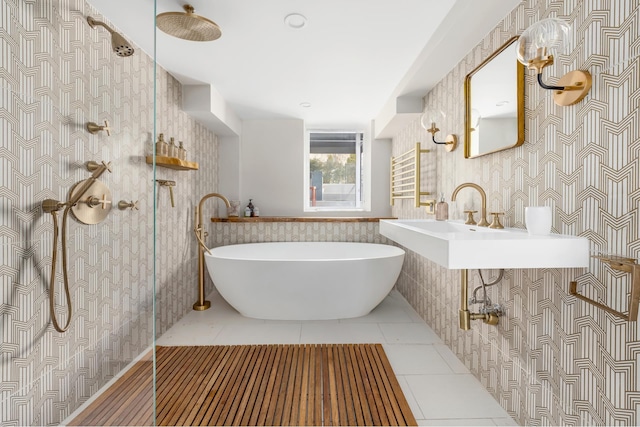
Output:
x=271 y=166
x=380 y=175
x=272 y=170
x=229 y=167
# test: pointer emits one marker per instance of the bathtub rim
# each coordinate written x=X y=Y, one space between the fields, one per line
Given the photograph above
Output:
x=391 y=251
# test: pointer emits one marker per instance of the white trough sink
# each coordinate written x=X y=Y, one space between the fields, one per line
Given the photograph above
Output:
x=454 y=245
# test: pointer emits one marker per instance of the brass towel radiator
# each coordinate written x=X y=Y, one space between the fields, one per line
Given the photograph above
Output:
x=405 y=178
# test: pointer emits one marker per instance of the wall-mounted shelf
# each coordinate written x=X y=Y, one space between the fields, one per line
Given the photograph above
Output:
x=173 y=163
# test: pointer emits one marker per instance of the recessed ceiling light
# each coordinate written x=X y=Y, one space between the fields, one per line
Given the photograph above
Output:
x=295 y=21
x=305 y=104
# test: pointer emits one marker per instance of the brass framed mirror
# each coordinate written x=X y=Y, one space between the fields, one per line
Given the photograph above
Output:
x=494 y=103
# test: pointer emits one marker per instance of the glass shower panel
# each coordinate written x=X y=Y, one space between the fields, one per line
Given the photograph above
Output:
x=58 y=74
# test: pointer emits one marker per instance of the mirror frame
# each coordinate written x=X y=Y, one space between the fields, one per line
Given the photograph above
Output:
x=520 y=106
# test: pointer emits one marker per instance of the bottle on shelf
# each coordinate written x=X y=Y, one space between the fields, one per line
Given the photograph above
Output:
x=161 y=146
x=251 y=207
x=182 y=153
x=173 y=149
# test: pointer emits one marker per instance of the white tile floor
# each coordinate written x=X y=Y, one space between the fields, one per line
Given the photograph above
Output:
x=438 y=387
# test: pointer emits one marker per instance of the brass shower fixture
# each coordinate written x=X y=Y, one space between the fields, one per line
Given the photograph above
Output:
x=188 y=26
x=118 y=43
x=75 y=202
x=94 y=128
x=198 y=230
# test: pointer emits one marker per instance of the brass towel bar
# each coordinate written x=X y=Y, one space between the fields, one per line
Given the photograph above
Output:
x=405 y=177
x=627 y=265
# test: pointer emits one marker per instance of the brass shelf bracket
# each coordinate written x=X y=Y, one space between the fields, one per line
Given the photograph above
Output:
x=627 y=265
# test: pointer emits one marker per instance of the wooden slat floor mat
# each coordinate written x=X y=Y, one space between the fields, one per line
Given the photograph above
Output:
x=257 y=385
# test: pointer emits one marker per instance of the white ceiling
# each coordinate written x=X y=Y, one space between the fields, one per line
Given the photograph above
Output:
x=352 y=58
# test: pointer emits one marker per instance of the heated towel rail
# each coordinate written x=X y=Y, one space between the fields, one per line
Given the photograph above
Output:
x=405 y=177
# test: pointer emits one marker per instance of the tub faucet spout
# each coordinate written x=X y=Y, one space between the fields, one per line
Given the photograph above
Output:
x=198 y=230
x=483 y=196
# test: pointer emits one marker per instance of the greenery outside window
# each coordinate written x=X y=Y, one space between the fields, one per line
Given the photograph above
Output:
x=335 y=171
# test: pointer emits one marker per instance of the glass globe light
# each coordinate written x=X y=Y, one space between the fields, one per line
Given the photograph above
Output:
x=429 y=120
x=535 y=48
x=549 y=35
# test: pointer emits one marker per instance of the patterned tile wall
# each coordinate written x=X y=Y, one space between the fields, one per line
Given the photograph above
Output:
x=553 y=359
x=56 y=74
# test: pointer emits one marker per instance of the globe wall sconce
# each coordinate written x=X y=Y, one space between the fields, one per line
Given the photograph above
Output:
x=428 y=121
x=534 y=49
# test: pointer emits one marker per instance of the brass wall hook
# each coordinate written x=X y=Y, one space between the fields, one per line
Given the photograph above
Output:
x=627 y=265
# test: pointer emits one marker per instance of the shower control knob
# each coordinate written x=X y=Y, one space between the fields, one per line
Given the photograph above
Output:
x=124 y=205
x=92 y=165
x=104 y=201
x=95 y=128
x=93 y=201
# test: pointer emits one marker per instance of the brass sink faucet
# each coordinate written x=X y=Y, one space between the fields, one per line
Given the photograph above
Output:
x=483 y=220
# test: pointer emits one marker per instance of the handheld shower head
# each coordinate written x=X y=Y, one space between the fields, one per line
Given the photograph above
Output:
x=119 y=44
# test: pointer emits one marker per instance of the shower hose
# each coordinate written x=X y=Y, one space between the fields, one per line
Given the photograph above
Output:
x=65 y=277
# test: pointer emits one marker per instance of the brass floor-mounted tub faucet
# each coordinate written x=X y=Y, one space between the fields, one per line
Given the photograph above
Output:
x=201 y=304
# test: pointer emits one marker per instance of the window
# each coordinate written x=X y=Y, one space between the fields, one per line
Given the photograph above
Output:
x=335 y=171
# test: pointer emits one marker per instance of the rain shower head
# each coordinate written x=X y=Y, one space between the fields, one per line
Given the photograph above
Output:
x=188 y=26
x=119 y=44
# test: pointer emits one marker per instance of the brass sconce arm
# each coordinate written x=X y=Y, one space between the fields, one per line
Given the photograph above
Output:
x=451 y=141
x=542 y=60
x=428 y=122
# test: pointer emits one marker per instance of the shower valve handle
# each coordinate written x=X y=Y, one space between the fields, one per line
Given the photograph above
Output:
x=93 y=201
x=92 y=165
x=95 y=128
x=123 y=205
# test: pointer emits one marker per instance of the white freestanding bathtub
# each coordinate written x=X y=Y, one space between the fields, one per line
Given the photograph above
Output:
x=304 y=280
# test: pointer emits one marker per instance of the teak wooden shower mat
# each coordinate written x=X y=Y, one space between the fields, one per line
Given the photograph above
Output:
x=259 y=385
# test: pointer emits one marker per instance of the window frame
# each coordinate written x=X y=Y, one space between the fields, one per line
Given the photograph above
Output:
x=363 y=163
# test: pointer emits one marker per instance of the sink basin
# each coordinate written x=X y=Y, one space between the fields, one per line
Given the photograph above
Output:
x=455 y=245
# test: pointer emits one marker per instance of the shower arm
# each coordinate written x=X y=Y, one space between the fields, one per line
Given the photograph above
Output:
x=93 y=22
